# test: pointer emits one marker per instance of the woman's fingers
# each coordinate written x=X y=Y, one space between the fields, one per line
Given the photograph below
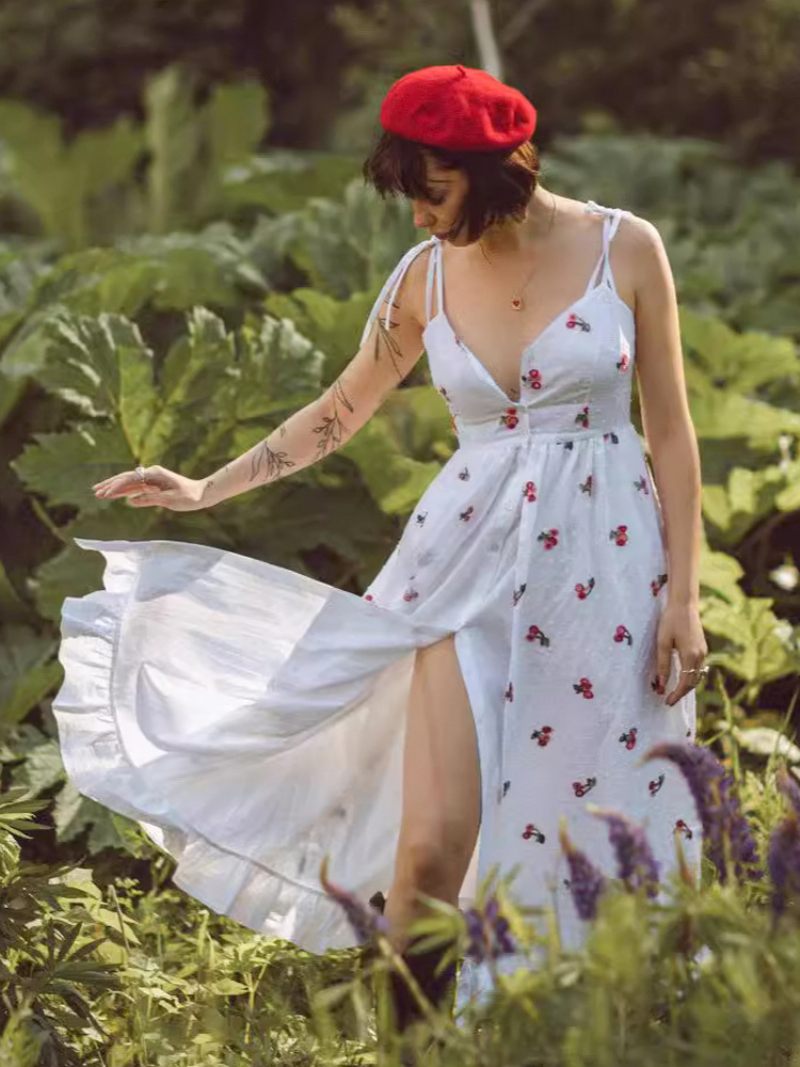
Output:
x=119 y=484
x=129 y=481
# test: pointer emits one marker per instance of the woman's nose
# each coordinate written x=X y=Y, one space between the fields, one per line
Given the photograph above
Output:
x=422 y=218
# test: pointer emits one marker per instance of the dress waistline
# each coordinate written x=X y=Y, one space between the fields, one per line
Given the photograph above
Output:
x=567 y=421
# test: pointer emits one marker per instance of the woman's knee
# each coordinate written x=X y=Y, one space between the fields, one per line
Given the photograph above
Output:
x=438 y=858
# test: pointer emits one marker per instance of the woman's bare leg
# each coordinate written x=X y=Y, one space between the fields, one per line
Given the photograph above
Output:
x=441 y=789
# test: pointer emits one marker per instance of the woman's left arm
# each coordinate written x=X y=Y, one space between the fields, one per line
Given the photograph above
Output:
x=672 y=443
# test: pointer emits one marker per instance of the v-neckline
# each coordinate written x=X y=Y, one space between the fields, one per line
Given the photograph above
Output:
x=483 y=369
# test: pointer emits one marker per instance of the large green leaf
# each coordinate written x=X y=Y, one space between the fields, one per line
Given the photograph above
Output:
x=28 y=671
x=736 y=361
x=63 y=467
x=333 y=325
x=58 y=179
x=720 y=574
x=749 y=497
x=396 y=481
x=760 y=646
x=353 y=243
x=283 y=180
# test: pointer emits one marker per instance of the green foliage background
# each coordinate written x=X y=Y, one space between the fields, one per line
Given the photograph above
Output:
x=173 y=285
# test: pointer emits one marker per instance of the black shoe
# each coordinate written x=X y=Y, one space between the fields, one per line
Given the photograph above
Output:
x=438 y=988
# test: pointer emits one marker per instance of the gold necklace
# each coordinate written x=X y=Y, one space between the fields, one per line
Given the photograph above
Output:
x=516 y=301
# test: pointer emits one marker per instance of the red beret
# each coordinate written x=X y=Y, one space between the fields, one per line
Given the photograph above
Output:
x=458 y=107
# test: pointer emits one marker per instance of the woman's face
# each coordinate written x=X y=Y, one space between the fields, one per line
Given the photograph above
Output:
x=438 y=215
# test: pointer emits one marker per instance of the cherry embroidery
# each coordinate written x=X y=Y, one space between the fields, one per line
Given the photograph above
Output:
x=518 y=593
x=529 y=491
x=580 y=789
x=622 y=633
x=509 y=418
x=619 y=535
x=368 y=596
x=684 y=828
x=655 y=785
x=575 y=320
x=542 y=736
x=612 y=437
x=641 y=484
x=532 y=831
x=533 y=378
x=444 y=393
x=535 y=634
x=464 y=474
x=510 y=692
x=421 y=517
x=467 y=515
x=658 y=584
x=623 y=362
x=586 y=487
x=584 y=590
x=584 y=687
x=410 y=594
x=549 y=538
x=506 y=786
x=582 y=418
x=628 y=739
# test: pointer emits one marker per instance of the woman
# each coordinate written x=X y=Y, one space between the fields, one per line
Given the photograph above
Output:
x=534 y=631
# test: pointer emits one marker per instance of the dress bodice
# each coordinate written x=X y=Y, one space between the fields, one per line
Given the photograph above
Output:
x=575 y=375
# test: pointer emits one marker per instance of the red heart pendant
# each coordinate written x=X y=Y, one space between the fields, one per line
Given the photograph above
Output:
x=516 y=303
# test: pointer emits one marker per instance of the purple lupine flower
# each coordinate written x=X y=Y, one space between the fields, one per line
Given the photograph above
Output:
x=783 y=854
x=586 y=882
x=488 y=932
x=366 y=921
x=717 y=806
x=783 y=861
x=788 y=786
x=636 y=864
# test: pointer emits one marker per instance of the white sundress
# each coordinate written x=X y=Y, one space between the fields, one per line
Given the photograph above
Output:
x=252 y=719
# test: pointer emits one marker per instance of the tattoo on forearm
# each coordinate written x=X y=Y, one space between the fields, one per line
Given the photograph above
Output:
x=332 y=431
x=272 y=462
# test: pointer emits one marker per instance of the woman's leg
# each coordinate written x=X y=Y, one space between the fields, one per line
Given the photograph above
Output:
x=441 y=789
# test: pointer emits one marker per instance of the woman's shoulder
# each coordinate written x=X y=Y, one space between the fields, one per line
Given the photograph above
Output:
x=416 y=278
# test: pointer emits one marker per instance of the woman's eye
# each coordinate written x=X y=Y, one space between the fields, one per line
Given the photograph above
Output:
x=437 y=200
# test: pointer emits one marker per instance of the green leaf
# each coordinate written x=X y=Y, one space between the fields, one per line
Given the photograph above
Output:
x=62 y=467
x=749 y=497
x=41 y=768
x=395 y=480
x=27 y=671
x=237 y=117
x=762 y=645
x=227 y=987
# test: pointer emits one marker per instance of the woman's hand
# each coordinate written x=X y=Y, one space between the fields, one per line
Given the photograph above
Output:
x=160 y=487
x=680 y=627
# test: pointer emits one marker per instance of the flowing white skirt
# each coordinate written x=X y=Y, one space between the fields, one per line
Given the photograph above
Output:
x=251 y=719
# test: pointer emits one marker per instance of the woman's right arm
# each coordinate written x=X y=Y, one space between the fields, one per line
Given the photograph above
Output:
x=381 y=363
x=388 y=352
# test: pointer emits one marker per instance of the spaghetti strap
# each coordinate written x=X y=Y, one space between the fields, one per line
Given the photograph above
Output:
x=391 y=287
x=613 y=217
x=429 y=284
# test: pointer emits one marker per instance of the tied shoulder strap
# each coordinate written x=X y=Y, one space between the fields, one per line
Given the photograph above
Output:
x=392 y=285
x=611 y=221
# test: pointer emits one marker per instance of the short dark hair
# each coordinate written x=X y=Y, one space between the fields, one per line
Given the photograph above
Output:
x=501 y=182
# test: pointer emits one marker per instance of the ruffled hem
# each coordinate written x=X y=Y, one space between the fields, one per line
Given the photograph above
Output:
x=250 y=719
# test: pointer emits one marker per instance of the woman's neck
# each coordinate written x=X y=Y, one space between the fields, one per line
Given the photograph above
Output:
x=510 y=236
